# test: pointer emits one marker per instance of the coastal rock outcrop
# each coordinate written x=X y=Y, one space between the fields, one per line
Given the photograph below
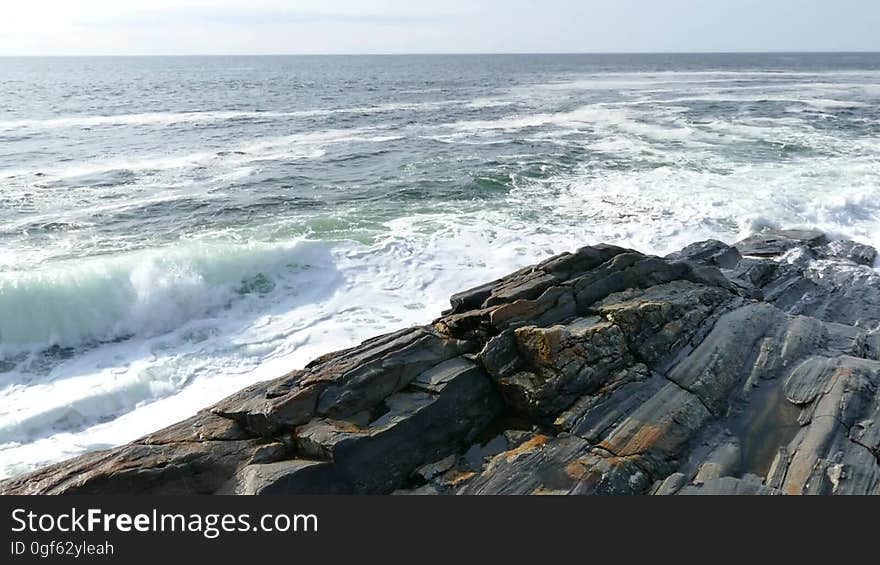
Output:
x=744 y=369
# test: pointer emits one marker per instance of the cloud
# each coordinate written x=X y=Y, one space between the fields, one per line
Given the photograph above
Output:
x=239 y=17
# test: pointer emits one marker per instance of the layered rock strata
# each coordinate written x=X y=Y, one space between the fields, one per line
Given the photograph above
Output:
x=745 y=369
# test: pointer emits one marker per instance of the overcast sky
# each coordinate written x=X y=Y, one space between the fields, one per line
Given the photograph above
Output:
x=122 y=27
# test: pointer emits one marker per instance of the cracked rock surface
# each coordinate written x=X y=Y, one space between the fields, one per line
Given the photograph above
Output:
x=744 y=369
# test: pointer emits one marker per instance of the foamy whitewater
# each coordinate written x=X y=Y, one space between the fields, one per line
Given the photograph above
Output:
x=172 y=230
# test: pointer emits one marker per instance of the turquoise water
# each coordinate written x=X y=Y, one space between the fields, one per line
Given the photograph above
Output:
x=172 y=229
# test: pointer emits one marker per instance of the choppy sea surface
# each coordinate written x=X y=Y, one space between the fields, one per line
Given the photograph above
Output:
x=173 y=229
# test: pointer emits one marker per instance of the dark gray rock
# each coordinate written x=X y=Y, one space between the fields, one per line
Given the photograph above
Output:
x=727 y=486
x=712 y=252
x=670 y=485
x=557 y=465
x=858 y=253
x=835 y=452
x=772 y=243
x=198 y=456
x=754 y=273
x=295 y=476
x=453 y=406
x=833 y=291
x=559 y=363
x=872 y=345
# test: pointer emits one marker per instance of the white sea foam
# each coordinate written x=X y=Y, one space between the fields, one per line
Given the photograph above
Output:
x=140 y=324
x=595 y=115
x=148 y=118
x=306 y=145
x=172 y=118
x=816 y=103
x=137 y=294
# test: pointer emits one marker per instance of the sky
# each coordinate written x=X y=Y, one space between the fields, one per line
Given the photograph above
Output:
x=188 y=27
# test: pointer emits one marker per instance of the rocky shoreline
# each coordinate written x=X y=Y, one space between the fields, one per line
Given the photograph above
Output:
x=745 y=369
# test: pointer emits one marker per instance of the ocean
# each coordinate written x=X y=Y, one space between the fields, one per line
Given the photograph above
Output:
x=173 y=229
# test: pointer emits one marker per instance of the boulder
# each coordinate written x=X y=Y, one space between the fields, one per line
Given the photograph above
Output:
x=771 y=243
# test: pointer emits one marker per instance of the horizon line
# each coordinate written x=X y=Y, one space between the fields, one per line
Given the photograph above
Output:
x=449 y=53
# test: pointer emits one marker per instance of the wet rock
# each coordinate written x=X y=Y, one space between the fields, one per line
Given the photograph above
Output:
x=173 y=468
x=833 y=453
x=531 y=282
x=833 y=291
x=592 y=416
x=754 y=273
x=711 y=252
x=560 y=363
x=435 y=469
x=773 y=243
x=365 y=385
x=724 y=461
x=297 y=476
x=858 y=253
x=726 y=486
x=721 y=361
x=561 y=465
x=872 y=345
x=745 y=369
x=415 y=427
x=196 y=456
x=660 y=321
x=671 y=485
x=658 y=431
x=635 y=271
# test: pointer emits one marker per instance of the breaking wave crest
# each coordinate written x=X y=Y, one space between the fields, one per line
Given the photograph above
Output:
x=141 y=293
